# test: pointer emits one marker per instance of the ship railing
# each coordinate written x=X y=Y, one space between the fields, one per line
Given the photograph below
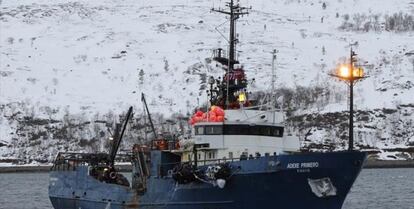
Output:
x=164 y=169
x=66 y=161
x=217 y=161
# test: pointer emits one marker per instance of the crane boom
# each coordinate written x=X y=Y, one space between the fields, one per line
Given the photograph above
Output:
x=118 y=137
x=149 y=115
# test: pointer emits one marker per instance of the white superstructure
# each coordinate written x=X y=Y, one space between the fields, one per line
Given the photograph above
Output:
x=244 y=133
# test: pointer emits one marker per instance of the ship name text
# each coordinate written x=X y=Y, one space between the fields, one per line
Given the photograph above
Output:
x=302 y=165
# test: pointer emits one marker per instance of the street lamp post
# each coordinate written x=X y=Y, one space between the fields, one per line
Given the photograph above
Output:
x=351 y=115
x=350 y=74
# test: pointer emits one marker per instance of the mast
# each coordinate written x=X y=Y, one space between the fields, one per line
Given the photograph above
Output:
x=273 y=77
x=229 y=88
x=273 y=99
x=234 y=11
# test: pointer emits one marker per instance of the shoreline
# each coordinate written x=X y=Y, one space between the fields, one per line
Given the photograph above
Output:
x=370 y=164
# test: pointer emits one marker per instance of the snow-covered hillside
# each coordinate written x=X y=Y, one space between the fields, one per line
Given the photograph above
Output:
x=90 y=58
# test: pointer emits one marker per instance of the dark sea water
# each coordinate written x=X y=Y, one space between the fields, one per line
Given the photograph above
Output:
x=374 y=189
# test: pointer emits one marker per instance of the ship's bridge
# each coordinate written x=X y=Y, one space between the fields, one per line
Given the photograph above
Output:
x=254 y=116
x=243 y=133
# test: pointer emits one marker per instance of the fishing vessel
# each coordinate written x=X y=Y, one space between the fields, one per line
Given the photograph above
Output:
x=238 y=157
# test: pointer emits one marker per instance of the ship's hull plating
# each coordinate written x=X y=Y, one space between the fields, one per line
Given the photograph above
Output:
x=275 y=182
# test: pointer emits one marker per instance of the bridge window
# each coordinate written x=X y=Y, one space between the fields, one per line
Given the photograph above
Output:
x=213 y=130
x=257 y=130
x=199 y=130
x=253 y=130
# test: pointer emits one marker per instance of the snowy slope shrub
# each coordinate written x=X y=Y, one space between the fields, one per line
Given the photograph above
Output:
x=398 y=22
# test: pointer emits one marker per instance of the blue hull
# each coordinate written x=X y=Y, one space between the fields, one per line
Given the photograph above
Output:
x=271 y=182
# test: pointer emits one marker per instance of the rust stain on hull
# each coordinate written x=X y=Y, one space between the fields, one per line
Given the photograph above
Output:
x=134 y=203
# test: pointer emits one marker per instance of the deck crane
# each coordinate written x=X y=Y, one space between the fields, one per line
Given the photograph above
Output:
x=149 y=115
x=118 y=138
